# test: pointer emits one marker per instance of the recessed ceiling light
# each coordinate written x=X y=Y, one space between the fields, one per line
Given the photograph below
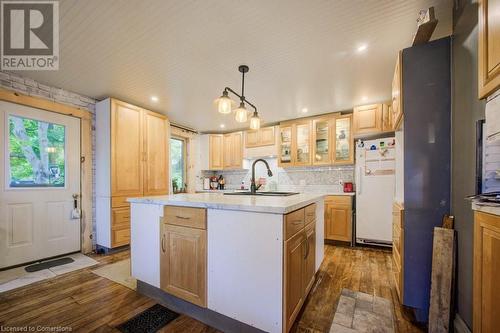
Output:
x=154 y=99
x=222 y=125
x=362 y=48
x=304 y=110
x=364 y=98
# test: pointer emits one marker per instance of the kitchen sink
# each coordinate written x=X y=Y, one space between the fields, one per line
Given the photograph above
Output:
x=269 y=194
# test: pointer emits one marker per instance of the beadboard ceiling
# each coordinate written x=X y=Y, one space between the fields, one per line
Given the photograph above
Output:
x=302 y=54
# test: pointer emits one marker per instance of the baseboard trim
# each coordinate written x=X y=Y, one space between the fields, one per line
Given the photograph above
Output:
x=460 y=325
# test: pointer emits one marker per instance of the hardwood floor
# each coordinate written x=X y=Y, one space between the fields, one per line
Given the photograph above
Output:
x=89 y=303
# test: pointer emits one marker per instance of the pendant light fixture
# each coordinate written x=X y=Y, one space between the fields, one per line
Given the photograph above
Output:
x=224 y=103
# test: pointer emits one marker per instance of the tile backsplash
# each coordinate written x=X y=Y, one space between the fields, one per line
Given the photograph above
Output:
x=301 y=179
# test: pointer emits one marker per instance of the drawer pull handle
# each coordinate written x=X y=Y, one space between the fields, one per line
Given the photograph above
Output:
x=182 y=217
x=297 y=222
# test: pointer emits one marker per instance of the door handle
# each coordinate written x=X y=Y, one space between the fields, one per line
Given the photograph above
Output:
x=163 y=243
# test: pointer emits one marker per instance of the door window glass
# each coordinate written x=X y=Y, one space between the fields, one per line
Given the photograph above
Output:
x=36 y=153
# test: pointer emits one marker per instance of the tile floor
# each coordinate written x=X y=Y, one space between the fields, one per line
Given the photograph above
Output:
x=360 y=312
x=18 y=277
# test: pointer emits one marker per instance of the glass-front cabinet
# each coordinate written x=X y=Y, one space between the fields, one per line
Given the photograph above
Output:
x=343 y=140
x=325 y=140
x=302 y=136
x=322 y=141
x=285 y=148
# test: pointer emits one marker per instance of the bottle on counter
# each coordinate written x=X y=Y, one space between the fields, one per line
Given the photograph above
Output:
x=222 y=182
x=242 y=187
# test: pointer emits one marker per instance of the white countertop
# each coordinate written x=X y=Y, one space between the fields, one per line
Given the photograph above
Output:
x=265 y=204
x=308 y=192
x=486 y=209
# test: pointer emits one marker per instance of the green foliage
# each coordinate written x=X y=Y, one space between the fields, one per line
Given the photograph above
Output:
x=20 y=167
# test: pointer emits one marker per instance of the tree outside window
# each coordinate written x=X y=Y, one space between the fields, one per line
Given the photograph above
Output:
x=178 y=164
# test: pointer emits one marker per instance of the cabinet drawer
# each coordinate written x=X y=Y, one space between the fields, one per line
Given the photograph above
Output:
x=120 y=237
x=186 y=216
x=339 y=199
x=119 y=202
x=120 y=218
x=294 y=222
x=310 y=213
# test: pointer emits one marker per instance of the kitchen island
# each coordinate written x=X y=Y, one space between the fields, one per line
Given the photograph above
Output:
x=235 y=262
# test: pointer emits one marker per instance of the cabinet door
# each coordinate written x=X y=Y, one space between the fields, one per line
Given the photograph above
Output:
x=127 y=158
x=251 y=138
x=338 y=222
x=183 y=263
x=310 y=257
x=216 y=144
x=156 y=152
x=322 y=152
x=285 y=148
x=397 y=94
x=367 y=119
x=294 y=276
x=227 y=149
x=386 y=118
x=267 y=136
x=237 y=150
x=486 y=299
x=489 y=47
x=302 y=142
x=343 y=141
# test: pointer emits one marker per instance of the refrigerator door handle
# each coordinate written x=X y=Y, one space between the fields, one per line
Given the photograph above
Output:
x=358 y=182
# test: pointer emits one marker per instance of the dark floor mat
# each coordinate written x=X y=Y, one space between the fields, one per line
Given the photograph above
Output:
x=48 y=264
x=148 y=321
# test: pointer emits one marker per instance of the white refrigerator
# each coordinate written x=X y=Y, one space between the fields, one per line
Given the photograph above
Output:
x=375 y=185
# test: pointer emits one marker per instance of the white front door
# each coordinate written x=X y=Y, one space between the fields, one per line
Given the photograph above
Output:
x=39 y=173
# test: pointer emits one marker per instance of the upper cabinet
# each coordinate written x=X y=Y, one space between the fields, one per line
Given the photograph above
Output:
x=225 y=151
x=489 y=47
x=216 y=149
x=285 y=146
x=302 y=142
x=343 y=140
x=324 y=140
x=259 y=138
x=397 y=94
x=367 y=119
x=372 y=119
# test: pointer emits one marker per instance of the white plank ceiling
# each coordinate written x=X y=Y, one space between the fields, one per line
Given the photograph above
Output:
x=302 y=54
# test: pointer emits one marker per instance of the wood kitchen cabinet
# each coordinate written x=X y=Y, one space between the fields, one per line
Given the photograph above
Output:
x=295 y=143
x=226 y=151
x=397 y=94
x=299 y=261
x=216 y=151
x=183 y=254
x=367 y=119
x=132 y=160
x=486 y=272
x=398 y=248
x=343 y=140
x=322 y=140
x=261 y=137
x=489 y=47
x=338 y=218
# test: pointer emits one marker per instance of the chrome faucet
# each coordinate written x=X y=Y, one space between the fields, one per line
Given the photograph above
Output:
x=253 y=187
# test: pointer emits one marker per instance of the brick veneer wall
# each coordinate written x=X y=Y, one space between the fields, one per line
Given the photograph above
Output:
x=31 y=87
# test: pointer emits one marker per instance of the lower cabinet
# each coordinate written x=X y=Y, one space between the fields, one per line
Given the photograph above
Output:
x=183 y=260
x=338 y=218
x=486 y=276
x=299 y=264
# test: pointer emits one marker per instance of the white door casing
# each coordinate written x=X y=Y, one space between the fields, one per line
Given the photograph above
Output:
x=35 y=222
